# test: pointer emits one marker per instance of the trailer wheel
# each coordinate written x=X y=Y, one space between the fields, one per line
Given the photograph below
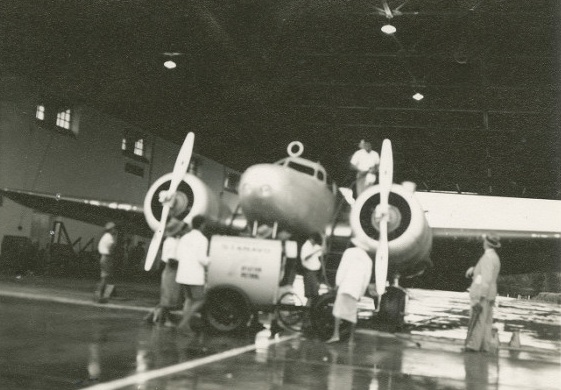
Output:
x=322 y=317
x=226 y=309
x=290 y=311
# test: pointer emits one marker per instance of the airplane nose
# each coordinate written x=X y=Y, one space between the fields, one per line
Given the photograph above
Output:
x=263 y=191
x=266 y=190
x=259 y=181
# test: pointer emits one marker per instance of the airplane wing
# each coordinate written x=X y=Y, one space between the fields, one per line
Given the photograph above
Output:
x=530 y=231
x=445 y=230
x=184 y=196
x=92 y=211
x=193 y=197
x=510 y=217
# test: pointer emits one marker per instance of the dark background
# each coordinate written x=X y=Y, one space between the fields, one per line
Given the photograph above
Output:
x=254 y=75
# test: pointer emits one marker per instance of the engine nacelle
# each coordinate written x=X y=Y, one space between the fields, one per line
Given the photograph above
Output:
x=409 y=235
x=193 y=198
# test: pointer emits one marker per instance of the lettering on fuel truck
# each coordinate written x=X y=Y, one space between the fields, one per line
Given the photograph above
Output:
x=244 y=248
x=250 y=272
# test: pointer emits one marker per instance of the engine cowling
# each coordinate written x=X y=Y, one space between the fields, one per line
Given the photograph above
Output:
x=193 y=198
x=409 y=235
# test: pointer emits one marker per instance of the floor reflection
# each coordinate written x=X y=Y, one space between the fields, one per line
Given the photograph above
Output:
x=374 y=362
x=56 y=346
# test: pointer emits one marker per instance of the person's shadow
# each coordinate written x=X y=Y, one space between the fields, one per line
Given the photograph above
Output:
x=477 y=367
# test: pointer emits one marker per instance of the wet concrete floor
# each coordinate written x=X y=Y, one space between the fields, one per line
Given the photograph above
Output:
x=76 y=344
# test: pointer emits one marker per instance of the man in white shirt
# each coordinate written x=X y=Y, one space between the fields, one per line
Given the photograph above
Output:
x=192 y=255
x=106 y=249
x=365 y=162
x=352 y=279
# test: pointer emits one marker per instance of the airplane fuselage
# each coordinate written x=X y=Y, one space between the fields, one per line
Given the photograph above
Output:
x=293 y=193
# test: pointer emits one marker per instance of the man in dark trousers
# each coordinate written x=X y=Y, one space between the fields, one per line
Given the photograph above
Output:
x=170 y=290
x=192 y=255
x=310 y=257
x=482 y=294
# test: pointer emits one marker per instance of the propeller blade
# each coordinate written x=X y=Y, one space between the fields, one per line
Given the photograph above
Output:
x=156 y=240
x=179 y=169
x=386 y=170
x=182 y=162
x=381 y=261
x=386 y=181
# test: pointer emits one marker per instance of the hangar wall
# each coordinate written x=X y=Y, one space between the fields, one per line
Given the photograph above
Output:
x=90 y=164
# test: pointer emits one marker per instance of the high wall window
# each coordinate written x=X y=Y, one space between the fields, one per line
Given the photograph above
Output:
x=40 y=113
x=133 y=145
x=63 y=118
x=232 y=182
x=58 y=117
x=139 y=147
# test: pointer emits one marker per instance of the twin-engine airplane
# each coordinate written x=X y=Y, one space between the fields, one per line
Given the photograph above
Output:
x=405 y=231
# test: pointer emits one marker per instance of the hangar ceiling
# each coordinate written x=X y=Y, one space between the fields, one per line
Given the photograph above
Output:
x=253 y=75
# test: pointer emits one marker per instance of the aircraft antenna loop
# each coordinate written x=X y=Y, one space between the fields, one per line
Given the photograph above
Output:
x=298 y=152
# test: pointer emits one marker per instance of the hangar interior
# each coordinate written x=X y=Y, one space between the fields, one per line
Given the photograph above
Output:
x=467 y=90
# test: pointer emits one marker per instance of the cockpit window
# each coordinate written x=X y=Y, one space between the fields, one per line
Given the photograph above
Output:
x=320 y=175
x=301 y=168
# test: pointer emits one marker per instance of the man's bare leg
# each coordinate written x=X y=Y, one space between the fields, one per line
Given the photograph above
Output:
x=335 y=337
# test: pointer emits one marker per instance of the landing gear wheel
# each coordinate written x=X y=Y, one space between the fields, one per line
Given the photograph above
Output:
x=392 y=308
x=323 y=320
x=290 y=311
x=226 y=309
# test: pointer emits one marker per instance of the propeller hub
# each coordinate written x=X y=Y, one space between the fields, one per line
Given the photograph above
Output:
x=394 y=218
x=180 y=204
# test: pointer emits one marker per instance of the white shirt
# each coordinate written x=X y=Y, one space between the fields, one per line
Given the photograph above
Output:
x=169 y=249
x=485 y=275
x=106 y=244
x=354 y=272
x=192 y=256
x=313 y=263
x=364 y=160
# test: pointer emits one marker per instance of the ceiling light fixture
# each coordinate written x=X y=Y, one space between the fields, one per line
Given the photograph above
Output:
x=418 y=96
x=386 y=11
x=169 y=64
x=388 y=29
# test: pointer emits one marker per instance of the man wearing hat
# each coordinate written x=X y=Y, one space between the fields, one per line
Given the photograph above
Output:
x=106 y=249
x=170 y=290
x=482 y=295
